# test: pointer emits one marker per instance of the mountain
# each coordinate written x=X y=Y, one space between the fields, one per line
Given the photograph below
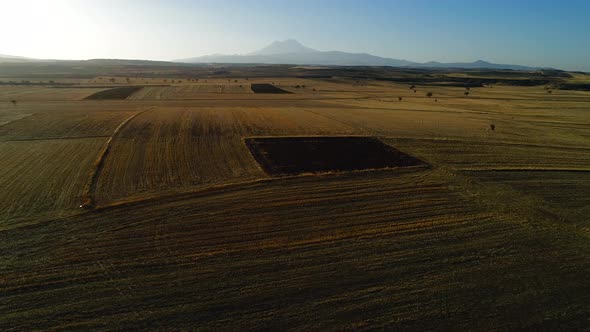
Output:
x=291 y=51
x=479 y=64
x=289 y=46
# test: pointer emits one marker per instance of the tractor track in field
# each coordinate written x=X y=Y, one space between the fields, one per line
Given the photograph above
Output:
x=88 y=199
x=13 y=121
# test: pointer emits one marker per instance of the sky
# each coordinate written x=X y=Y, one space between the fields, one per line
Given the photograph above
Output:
x=527 y=32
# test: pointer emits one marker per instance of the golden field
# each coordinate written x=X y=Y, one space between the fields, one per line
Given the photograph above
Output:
x=187 y=230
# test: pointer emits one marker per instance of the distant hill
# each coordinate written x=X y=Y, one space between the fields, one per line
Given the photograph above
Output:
x=289 y=46
x=91 y=62
x=12 y=58
x=479 y=64
x=292 y=52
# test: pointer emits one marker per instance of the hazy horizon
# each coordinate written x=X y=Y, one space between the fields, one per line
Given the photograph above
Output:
x=532 y=33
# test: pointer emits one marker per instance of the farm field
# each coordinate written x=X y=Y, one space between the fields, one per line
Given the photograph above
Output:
x=40 y=93
x=187 y=229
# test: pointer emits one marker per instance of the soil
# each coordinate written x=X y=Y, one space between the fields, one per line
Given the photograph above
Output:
x=296 y=155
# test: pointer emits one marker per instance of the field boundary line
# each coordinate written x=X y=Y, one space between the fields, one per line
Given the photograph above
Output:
x=13 y=121
x=189 y=193
x=492 y=143
x=88 y=199
x=523 y=169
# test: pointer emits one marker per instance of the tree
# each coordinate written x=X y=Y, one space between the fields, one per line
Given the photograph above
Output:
x=549 y=91
x=13 y=102
x=399 y=98
x=412 y=87
x=492 y=126
x=414 y=91
x=467 y=88
x=429 y=94
x=466 y=93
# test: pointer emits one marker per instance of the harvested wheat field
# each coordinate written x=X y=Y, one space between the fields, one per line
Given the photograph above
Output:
x=343 y=204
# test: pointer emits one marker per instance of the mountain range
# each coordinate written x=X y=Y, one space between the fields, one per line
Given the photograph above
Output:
x=291 y=51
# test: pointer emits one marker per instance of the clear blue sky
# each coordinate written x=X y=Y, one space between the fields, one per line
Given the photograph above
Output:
x=528 y=32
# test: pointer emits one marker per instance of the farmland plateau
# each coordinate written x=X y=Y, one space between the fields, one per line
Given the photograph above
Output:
x=229 y=198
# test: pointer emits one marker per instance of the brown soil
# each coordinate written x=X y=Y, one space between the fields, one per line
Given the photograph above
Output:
x=266 y=88
x=296 y=155
x=115 y=93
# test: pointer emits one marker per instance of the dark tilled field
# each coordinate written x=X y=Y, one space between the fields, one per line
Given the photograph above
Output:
x=115 y=93
x=266 y=88
x=296 y=155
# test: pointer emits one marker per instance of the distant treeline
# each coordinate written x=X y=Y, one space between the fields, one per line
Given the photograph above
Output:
x=574 y=86
x=51 y=82
x=466 y=81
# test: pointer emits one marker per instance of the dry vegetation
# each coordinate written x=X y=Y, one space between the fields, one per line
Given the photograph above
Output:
x=40 y=93
x=44 y=176
x=175 y=147
x=188 y=230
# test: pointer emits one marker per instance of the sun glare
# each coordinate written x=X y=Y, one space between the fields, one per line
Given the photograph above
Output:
x=47 y=29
